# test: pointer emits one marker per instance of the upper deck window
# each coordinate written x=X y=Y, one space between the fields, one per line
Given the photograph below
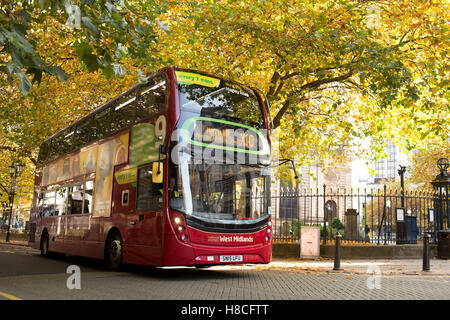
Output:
x=152 y=98
x=216 y=98
x=137 y=104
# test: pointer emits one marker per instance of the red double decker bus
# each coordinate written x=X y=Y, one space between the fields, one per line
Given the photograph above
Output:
x=172 y=172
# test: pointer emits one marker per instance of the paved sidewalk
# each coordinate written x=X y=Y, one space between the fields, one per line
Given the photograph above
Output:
x=366 y=266
x=14 y=242
x=438 y=267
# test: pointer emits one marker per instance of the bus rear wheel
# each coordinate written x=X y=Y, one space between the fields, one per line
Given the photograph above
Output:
x=113 y=252
x=44 y=245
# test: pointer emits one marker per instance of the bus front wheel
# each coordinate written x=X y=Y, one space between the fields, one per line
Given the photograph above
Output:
x=113 y=252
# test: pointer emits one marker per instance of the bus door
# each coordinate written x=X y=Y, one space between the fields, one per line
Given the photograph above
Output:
x=61 y=211
x=52 y=217
x=140 y=202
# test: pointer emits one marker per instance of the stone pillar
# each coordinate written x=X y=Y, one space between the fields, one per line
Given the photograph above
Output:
x=351 y=224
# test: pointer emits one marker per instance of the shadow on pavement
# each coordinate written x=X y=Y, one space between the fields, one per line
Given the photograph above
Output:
x=179 y=272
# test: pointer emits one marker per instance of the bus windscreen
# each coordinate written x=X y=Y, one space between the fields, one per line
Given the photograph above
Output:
x=216 y=98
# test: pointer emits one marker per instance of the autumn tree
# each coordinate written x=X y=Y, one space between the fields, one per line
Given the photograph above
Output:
x=26 y=121
x=335 y=72
x=84 y=44
x=423 y=168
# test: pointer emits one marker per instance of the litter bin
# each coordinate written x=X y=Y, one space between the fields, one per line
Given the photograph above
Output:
x=444 y=244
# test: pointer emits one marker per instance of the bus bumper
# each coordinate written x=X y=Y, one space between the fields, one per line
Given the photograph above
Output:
x=233 y=255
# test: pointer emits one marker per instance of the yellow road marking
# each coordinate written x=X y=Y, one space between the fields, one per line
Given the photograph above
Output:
x=9 y=296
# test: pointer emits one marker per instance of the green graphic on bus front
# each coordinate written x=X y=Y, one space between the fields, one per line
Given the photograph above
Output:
x=126 y=176
x=145 y=142
x=195 y=78
x=246 y=140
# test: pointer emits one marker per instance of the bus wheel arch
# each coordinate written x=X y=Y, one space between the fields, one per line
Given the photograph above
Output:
x=113 y=249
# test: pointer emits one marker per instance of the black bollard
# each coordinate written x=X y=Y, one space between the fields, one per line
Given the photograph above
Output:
x=337 y=254
x=426 y=252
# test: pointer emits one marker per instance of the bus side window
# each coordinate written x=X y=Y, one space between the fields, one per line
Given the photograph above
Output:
x=101 y=125
x=41 y=204
x=61 y=144
x=82 y=133
x=123 y=111
x=88 y=196
x=75 y=203
x=47 y=204
x=151 y=99
x=61 y=199
x=149 y=194
x=67 y=141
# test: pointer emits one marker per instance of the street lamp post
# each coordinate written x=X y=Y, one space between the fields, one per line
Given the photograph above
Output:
x=15 y=170
x=442 y=184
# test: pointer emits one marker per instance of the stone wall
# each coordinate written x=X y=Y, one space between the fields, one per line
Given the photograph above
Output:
x=407 y=251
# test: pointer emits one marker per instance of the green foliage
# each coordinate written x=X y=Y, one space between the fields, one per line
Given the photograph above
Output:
x=337 y=224
x=105 y=33
x=423 y=168
x=322 y=231
x=296 y=227
x=333 y=78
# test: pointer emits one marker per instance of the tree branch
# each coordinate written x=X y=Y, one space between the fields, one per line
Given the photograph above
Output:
x=8 y=148
x=318 y=83
x=273 y=83
x=277 y=120
x=6 y=190
x=311 y=85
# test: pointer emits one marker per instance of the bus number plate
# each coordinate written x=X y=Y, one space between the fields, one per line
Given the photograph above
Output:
x=231 y=258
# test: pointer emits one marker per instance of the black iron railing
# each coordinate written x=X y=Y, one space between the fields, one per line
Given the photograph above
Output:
x=359 y=215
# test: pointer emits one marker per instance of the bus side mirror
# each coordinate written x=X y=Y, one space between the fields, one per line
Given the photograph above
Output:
x=157 y=177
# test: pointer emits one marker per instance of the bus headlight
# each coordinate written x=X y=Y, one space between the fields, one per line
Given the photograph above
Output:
x=177 y=220
x=183 y=237
x=269 y=230
x=180 y=228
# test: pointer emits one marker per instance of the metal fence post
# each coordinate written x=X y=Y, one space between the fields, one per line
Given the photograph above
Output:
x=448 y=206
x=324 y=217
